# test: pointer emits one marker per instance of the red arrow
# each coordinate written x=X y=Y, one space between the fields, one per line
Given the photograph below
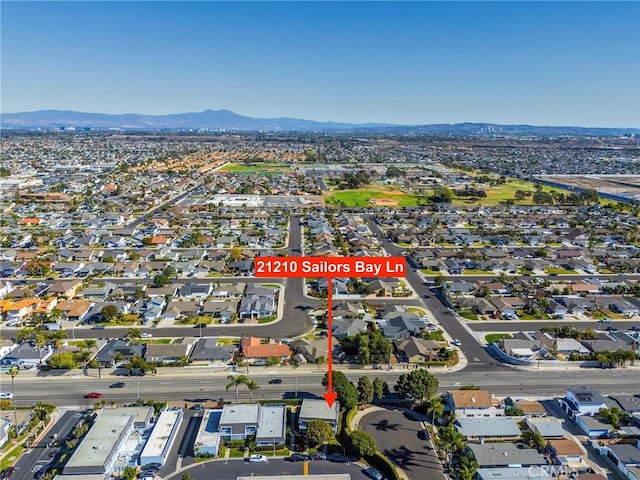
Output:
x=330 y=396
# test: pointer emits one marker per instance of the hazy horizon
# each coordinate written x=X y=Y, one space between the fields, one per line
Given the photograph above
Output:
x=403 y=63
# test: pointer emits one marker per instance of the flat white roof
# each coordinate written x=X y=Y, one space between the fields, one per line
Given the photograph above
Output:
x=161 y=433
x=322 y=476
x=139 y=414
x=103 y=437
x=319 y=409
x=272 y=422
x=240 y=413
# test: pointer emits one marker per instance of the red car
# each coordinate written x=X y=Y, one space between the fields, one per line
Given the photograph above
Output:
x=93 y=395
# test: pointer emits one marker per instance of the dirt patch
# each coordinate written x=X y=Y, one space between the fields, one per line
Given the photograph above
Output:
x=392 y=192
x=383 y=202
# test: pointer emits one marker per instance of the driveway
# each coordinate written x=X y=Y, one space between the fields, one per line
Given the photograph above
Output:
x=396 y=434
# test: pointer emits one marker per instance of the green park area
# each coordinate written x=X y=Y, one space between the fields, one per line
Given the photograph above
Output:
x=371 y=196
x=269 y=168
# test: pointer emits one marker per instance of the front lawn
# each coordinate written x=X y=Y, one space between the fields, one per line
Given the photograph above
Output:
x=496 y=337
x=468 y=315
x=559 y=271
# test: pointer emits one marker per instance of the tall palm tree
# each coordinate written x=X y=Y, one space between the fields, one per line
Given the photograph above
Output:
x=251 y=385
x=435 y=408
x=92 y=343
x=235 y=382
x=13 y=371
x=40 y=341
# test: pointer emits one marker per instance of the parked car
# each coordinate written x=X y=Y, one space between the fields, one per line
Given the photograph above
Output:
x=606 y=320
x=7 y=472
x=424 y=434
x=372 y=473
x=98 y=327
x=337 y=458
x=6 y=396
x=275 y=380
x=298 y=457
x=93 y=395
x=611 y=329
x=117 y=385
x=317 y=456
x=151 y=467
x=257 y=459
x=457 y=342
x=146 y=335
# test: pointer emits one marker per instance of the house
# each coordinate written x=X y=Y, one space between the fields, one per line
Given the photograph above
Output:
x=400 y=325
x=312 y=351
x=27 y=356
x=568 y=453
x=75 y=310
x=207 y=351
x=224 y=310
x=479 y=429
x=516 y=473
x=593 y=426
x=472 y=403
x=518 y=348
x=178 y=309
x=343 y=328
x=120 y=351
x=312 y=409
x=583 y=400
x=229 y=290
x=239 y=421
x=170 y=352
x=255 y=351
x=626 y=458
x=531 y=408
x=272 y=425
x=547 y=427
x=195 y=291
x=65 y=289
x=503 y=454
x=416 y=350
x=259 y=306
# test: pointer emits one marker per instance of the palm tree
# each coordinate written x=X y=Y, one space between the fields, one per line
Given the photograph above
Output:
x=235 y=382
x=92 y=343
x=13 y=371
x=252 y=385
x=40 y=342
x=435 y=408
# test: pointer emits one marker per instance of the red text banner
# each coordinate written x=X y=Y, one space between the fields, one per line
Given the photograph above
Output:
x=382 y=267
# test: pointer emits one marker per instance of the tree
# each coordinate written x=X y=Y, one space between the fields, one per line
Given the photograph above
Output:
x=133 y=333
x=251 y=385
x=108 y=313
x=435 y=408
x=161 y=280
x=89 y=344
x=14 y=372
x=347 y=392
x=129 y=473
x=65 y=360
x=235 y=382
x=417 y=385
x=186 y=476
x=365 y=390
x=236 y=254
x=380 y=388
x=363 y=444
x=319 y=431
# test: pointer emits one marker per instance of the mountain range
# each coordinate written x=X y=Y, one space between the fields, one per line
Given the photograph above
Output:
x=226 y=120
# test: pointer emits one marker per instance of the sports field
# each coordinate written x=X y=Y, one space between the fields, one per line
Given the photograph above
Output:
x=371 y=196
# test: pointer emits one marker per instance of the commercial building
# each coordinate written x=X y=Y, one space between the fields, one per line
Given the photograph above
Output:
x=162 y=436
x=98 y=451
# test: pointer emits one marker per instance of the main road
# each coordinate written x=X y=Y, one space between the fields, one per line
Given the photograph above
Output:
x=189 y=385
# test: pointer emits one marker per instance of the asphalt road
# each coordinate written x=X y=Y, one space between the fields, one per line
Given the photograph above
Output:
x=233 y=468
x=39 y=456
x=185 y=386
x=533 y=325
x=396 y=434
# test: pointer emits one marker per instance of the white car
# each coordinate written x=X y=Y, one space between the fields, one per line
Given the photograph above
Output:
x=258 y=459
x=6 y=396
x=146 y=335
x=457 y=342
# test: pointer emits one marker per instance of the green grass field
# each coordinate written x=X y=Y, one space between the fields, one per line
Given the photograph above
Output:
x=270 y=168
x=362 y=196
x=494 y=337
x=501 y=193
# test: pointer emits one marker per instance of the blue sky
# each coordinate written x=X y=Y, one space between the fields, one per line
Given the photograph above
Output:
x=575 y=63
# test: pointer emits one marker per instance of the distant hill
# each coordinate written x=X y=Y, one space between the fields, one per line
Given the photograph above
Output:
x=226 y=120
